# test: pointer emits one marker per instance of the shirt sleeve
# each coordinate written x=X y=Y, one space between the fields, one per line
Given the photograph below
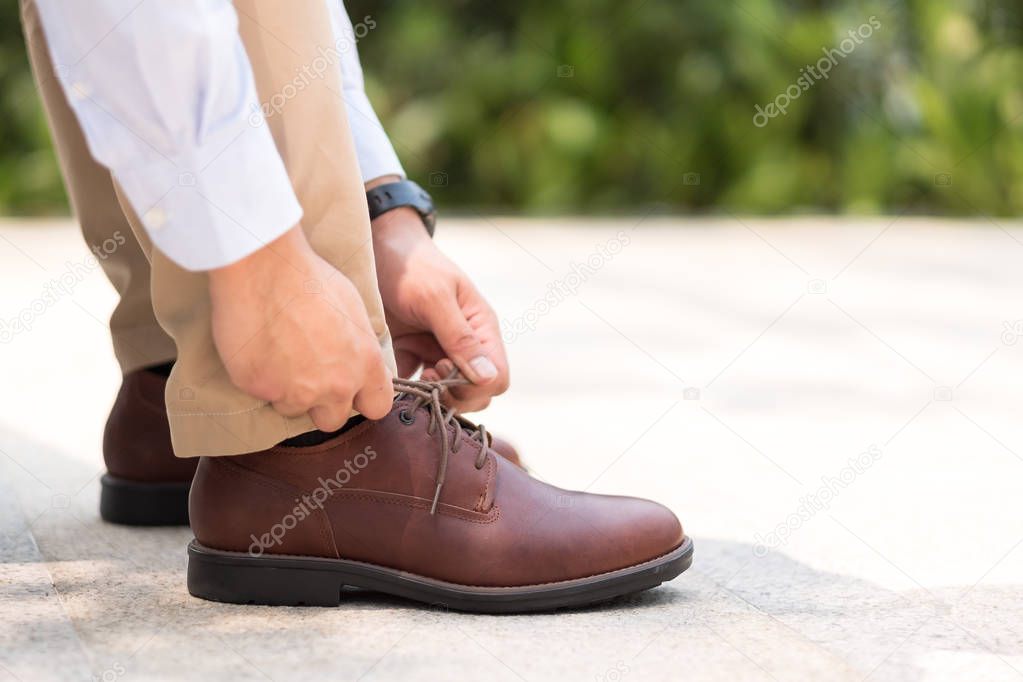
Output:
x=372 y=146
x=165 y=96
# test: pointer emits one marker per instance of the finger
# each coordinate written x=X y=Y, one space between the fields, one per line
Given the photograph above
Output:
x=413 y=351
x=459 y=341
x=407 y=363
x=467 y=397
x=301 y=396
x=423 y=345
x=330 y=417
x=444 y=368
x=290 y=408
x=484 y=321
x=375 y=399
x=474 y=404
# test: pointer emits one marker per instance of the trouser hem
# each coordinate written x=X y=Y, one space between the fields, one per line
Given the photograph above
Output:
x=213 y=434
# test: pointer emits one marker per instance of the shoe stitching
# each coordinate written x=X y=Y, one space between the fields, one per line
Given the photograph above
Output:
x=410 y=501
x=422 y=503
x=217 y=414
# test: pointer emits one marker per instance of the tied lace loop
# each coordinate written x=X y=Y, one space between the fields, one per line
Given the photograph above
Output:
x=428 y=393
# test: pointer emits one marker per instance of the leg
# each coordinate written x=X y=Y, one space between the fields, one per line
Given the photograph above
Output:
x=144 y=484
x=138 y=339
x=208 y=414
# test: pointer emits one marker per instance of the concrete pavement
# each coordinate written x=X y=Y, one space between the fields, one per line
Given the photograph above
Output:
x=831 y=406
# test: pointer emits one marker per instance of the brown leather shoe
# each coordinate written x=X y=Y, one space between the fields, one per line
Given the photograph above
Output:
x=415 y=505
x=498 y=445
x=506 y=450
x=145 y=484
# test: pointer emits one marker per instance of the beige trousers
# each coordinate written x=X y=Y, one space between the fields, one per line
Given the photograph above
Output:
x=164 y=311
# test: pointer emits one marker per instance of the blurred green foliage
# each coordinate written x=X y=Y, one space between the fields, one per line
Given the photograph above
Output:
x=29 y=176
x=607 y=106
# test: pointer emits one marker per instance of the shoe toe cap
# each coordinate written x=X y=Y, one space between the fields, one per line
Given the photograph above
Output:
x=646 y=530
x=612 y=532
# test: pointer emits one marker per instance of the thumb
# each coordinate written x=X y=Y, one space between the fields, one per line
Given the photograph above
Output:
x=460 y=343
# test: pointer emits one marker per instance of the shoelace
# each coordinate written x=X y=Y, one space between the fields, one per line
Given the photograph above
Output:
x=429 y=393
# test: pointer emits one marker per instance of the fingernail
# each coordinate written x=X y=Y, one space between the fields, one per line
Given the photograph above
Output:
x=483 y=367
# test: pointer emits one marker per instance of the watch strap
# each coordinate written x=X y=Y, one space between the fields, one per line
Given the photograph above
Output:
x=392 y=195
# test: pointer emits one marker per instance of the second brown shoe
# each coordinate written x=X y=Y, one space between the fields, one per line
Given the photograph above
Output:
x=145 y=484
x=416 y=505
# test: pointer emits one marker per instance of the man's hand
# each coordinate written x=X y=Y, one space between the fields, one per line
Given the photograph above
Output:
x=292 y=330
x=435 y=313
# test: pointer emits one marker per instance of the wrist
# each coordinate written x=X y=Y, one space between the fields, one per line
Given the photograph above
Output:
x=285 y=251
x=387 y=194
x=399 y=225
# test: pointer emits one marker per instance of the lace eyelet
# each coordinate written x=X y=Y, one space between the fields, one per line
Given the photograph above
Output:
x=405 y=418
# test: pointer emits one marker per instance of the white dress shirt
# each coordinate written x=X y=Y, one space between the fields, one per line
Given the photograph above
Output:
x=372 y=146
x=165 y=97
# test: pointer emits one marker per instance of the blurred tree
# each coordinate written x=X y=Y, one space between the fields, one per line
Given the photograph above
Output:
x=601 y=106
x=29 y=177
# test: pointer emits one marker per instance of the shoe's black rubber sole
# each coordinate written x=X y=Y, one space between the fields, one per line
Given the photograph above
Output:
x=285 y=580
x=133 y=503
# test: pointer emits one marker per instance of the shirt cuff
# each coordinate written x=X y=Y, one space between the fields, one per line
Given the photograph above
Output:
x=213 y=207
x=372 y=146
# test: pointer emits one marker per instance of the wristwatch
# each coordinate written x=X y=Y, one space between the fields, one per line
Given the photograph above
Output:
x=384 y=198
